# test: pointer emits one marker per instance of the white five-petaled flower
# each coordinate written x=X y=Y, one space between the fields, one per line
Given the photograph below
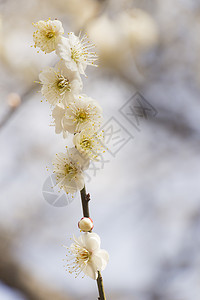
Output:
x=68 y=169
x=59 y=84
x=48 y=35
x=76 y=52
x=87 y=257
x=83 y=112
x=89 y=143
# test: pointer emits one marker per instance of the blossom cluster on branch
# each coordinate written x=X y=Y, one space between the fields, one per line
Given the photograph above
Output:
x=73 y=112
x=80 y=116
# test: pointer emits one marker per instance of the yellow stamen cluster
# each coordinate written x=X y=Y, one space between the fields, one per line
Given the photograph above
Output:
x=78 y=258
x=86 y=144
x=81 y=51
x=63 y=83
x=81 y=115
x=70 y=169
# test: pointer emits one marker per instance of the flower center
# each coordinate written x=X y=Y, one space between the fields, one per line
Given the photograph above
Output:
x=70 y=169
x=83 y=255
x=50 y=34
x=81 y=116
x=63 y=83
x=86 y=144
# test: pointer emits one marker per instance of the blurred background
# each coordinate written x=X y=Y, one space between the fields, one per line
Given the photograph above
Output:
x=145 y=197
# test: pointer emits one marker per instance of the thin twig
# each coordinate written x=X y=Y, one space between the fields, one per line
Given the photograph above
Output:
x=85 y=198
x=100 y=287
x=11 y=111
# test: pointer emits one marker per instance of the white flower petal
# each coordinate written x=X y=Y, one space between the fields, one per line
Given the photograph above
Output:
x=93 y=244
x=101 y=258
x=58 y=114
x=91 y=241
x=90 y=271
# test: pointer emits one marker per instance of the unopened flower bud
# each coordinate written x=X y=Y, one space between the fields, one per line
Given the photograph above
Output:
x=13 y=100
x=85 y=224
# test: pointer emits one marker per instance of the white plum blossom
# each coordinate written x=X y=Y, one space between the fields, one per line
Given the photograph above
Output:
x=68 y=168
x=83 y=112
x=48 y=35
x=76 y=52
x=59 y=84
x=89 y=143
x=87 y=257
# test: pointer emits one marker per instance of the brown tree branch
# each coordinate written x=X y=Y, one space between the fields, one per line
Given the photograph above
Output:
x=100 y=287
x=85 y=205
x=85 y=198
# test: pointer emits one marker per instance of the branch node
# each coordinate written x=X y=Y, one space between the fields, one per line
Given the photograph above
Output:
x=87 y=197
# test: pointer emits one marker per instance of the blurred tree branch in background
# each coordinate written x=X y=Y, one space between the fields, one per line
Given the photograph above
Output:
x=13 y=274
x=13 y=107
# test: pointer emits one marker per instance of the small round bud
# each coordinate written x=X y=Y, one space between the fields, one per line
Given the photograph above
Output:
x=13 y=100
x=85 y=224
